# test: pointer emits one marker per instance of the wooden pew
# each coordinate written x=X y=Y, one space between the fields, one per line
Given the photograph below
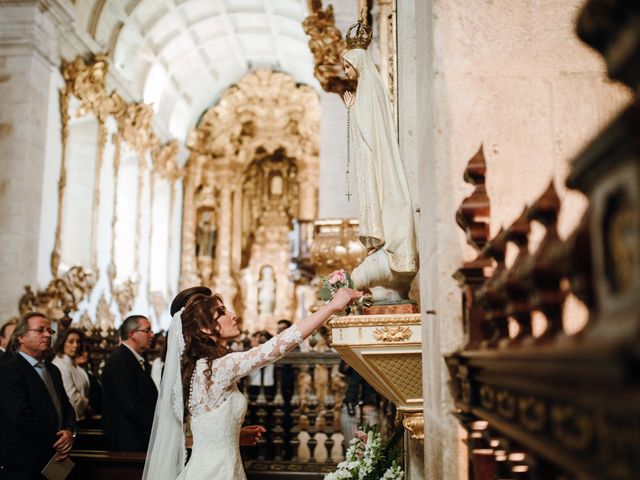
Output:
x=103 y=465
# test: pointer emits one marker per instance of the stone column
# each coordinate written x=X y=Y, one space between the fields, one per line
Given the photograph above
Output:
x=28 y=101
x=225 y=284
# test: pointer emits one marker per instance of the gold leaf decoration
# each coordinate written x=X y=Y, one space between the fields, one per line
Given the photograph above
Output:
x=392 y=334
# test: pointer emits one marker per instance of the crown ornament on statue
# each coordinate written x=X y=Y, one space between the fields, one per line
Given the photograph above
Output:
x=359 y=34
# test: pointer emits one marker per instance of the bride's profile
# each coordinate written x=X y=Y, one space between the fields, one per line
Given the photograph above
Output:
x=199 y=385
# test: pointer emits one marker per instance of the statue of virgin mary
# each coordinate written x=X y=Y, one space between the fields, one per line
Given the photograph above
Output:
x=386 y=217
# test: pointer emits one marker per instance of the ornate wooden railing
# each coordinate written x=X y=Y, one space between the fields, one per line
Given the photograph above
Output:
x=301 y=413
x=538 y=399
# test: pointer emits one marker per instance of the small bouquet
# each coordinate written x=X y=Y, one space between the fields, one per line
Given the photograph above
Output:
x=333 y=282
x=369 y=457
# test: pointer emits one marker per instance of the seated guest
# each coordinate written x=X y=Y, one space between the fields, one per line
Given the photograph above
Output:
x=5 y=334
x=38 y=422
x=69 y=345
x=129 y=394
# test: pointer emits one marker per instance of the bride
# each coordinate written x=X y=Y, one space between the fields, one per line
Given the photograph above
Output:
x=199 y=384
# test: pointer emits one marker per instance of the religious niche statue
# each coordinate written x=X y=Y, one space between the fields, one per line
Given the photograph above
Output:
x=206 y=234
x=386 y=218
x=266 y=291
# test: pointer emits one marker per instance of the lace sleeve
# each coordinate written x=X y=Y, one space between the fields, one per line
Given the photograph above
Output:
x=226 y=370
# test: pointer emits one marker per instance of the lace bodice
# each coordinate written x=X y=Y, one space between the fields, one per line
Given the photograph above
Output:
x=225 y=371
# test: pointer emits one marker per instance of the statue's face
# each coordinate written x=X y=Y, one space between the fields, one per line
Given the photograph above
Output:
x=349 y=70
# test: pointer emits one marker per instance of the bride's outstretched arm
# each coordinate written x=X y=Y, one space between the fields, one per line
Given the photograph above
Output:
x=238 y=364
x=341 y=299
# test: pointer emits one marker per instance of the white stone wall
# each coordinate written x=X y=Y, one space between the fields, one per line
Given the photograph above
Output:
x=27 y=65
x=509 y=74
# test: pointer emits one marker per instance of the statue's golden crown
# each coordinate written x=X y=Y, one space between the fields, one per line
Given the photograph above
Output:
x=359 y=35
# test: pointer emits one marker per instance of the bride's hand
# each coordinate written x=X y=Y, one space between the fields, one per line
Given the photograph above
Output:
x=344 y=297
x=250 y=435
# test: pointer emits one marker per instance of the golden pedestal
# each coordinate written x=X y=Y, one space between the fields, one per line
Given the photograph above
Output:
x=386 y=350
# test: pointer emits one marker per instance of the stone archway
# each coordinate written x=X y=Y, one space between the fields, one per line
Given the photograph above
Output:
x=253 y=169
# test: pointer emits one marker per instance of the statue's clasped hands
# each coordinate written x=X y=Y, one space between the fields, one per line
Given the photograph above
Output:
x=349 y=99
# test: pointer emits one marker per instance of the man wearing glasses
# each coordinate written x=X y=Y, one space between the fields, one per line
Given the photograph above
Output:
x=129 y=394
x=38 y=422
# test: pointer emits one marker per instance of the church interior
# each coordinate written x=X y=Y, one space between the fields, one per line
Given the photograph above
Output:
x=147 y=146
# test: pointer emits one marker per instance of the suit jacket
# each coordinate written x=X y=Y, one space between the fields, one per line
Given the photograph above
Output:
x=129 y=402
x=28 y=418
x=4 y=356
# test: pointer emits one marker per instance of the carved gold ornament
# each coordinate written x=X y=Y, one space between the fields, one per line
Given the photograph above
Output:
x=392 y=334
x=62 y=295
x=137 y=130
x=414 y=423
x=105 y=319
x=326 y=45
x=165 y=161
x=359 y=35
x=124 y=295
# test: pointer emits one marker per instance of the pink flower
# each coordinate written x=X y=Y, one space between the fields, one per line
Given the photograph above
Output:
x=337 y=277
x=360 y=435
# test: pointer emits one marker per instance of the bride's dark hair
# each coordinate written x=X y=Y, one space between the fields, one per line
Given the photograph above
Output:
x=202 y=308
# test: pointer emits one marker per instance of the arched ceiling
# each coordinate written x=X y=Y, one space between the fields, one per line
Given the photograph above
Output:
x=181 y=55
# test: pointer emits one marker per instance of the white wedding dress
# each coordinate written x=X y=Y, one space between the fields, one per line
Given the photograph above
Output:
x=217 y=408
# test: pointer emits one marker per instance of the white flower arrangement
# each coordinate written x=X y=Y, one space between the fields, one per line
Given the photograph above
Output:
x=369 y=458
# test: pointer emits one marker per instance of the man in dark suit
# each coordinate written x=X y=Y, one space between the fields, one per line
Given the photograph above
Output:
x=129 y=394
x=37 y=419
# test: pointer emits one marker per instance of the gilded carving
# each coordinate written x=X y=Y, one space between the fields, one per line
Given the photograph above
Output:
x=124 y=295
x=112 y=269
x=392 y=334
x=86 y=81
x=61 y=296
x=105 y=319
x=374 y=320
x=165 y=161
x=414 y=423
x=250 y=156
x=135 y=124
x=326 y=45
x=62 y=179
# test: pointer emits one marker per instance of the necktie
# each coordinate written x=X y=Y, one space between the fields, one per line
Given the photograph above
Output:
x=46 y=378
